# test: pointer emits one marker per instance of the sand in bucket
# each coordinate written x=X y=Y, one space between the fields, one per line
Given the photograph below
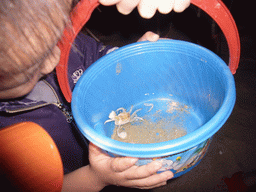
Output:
x=158 y=124
x=189 y=87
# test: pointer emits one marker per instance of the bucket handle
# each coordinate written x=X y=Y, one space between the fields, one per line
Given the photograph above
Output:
x=221 y=15
x=83 y=10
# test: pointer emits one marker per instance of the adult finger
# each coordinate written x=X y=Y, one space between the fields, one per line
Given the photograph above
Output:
x=147 y=8
x=165 y=6
x=109 y=2
x=149 y=36
x=181 y=5
x=126 y=6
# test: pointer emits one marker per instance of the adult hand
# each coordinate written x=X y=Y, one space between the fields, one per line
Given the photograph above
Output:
x=149 y=36
x=122 y=171
x=147 y=8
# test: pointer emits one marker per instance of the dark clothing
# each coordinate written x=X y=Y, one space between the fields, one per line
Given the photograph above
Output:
x=46 y=106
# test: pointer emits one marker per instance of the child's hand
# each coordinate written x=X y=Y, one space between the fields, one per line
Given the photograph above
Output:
x=147 y=8
x=122 y=171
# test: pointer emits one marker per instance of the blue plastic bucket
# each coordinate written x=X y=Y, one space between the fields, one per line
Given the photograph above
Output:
x=156 y=74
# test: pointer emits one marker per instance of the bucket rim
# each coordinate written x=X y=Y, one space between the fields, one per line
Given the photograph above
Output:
x=178 y=145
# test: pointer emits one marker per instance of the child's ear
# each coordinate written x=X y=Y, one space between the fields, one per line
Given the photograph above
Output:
x=51 y=61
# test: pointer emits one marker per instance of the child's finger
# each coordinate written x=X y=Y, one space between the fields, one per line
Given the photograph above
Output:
x=144 y=171
x=120 y=164
x=155 y=186
x=152 y=181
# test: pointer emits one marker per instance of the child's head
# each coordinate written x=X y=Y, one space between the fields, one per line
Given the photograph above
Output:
x=29 y=32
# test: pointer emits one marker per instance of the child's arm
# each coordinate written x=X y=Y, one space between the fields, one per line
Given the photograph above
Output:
x=105 y=170
x=147 y=8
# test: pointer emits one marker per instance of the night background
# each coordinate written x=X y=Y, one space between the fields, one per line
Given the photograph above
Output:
x=231 y=158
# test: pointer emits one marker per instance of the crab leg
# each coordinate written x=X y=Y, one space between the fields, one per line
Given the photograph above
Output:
x=122 y=135
x=149 y=105
x=135 y=114
x=130 y=109
x=121 y=109
x=108 y=121
x=139 y=118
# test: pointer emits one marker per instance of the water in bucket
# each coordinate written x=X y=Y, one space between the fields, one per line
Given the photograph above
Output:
x=155 y=121
x=177 y=86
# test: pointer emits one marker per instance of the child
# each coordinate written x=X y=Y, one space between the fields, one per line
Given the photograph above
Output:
x=29 y=90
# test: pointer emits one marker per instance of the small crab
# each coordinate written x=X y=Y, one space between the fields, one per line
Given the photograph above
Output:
x=122 y=118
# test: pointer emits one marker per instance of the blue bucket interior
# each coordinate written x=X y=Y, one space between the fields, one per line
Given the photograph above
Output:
x=155 y=73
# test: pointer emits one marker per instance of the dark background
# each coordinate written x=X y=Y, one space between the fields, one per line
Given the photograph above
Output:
x=193 y=25
x=232 y=151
